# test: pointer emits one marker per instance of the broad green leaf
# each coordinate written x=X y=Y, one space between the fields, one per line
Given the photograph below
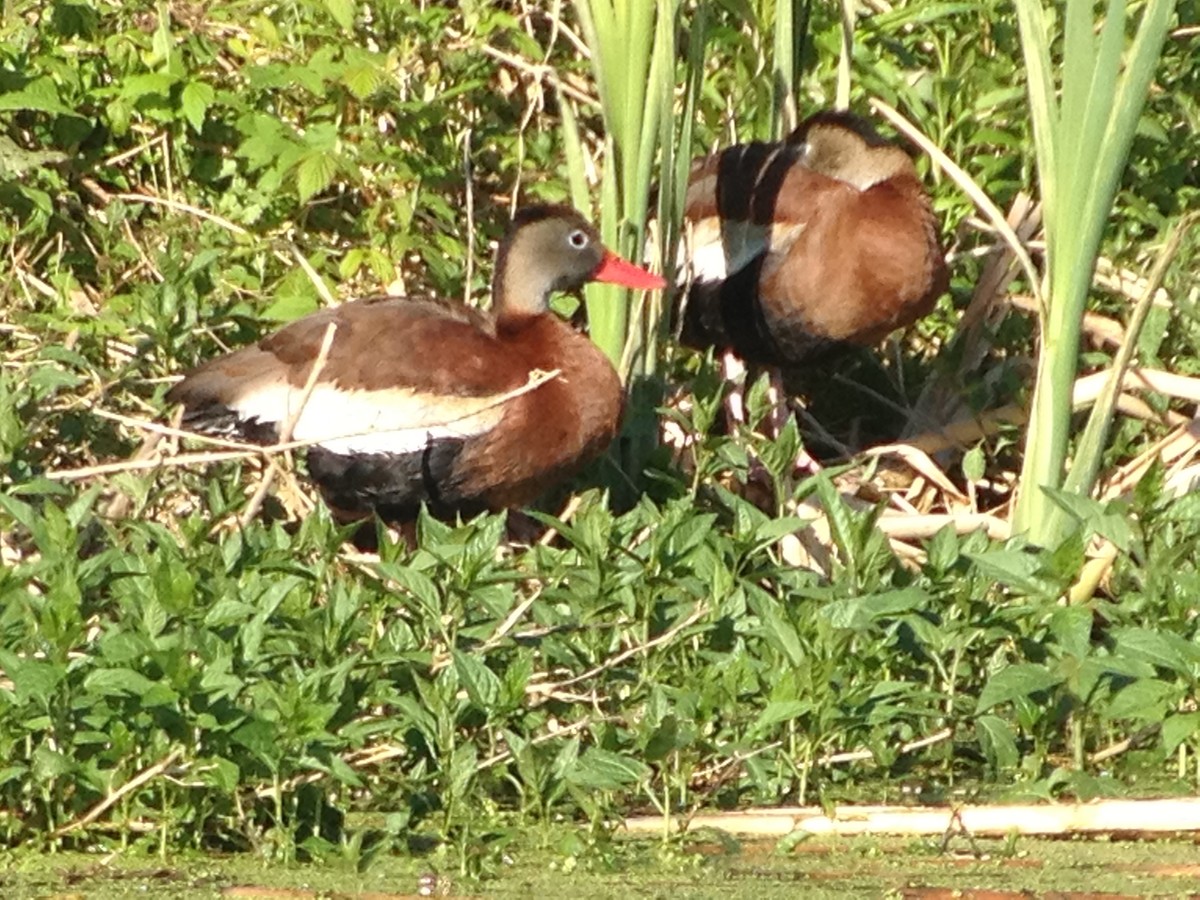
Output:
x=1015 y=569
x=1014 y=682
x=778 y=711
x=997 y=741
x=314 y=173
x=32 y=679
x=480 y=682
x=857 y=613
x=342 y=12
x=1159 y=648
x=134 y=87
x=603 y=770
x=1179 y=728
x=117 y=681
x=290 y=307
x=40 y=95
x=195 y=99
x=363 y=80
x=1146 y=700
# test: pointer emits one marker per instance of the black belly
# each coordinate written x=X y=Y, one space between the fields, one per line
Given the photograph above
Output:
x=727 y=315
x=394 y=485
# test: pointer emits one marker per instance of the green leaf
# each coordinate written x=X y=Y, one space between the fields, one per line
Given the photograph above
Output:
x=1179 y=728
x=290 y=307
x=974 y=464
x=1014 y=682
x=134 y=87
x=857 y=613
x=480 y=682
x=194 y=100
x=40 y=95
x=1015 y=569
x=32 y=679
x=1159 y=648
x=779 y=711
x=117 y=681
x=314 y=173
x=342 y=12
x=50 y=764
x=776 y=628
x=363 y=80
x=602 y=770
x=997 y=742
x=1146 y=700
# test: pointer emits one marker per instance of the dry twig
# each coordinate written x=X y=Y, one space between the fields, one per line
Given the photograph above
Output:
x=148 y=774
x=285 y=433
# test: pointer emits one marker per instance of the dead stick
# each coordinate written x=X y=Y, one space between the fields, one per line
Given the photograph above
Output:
x=536 y=379
x=128 y=787
x=1107 y=816
x=285 y=433
x=696 y=615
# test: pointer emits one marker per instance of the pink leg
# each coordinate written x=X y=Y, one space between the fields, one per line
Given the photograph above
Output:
x=733 y=371
x=780 y=413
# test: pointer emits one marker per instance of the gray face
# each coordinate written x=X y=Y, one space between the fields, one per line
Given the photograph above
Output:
x=546 y=255
x=843 y=154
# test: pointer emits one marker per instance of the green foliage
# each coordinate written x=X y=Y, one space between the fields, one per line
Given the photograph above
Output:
x=168 y=679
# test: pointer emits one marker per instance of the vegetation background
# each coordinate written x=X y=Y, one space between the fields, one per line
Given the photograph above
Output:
x=178 y=178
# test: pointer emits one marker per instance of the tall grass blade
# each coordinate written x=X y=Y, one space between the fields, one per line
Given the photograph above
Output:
x=1083 y=143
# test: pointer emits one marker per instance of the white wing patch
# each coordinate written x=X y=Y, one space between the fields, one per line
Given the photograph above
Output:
x=719 y=248
x=392 y=421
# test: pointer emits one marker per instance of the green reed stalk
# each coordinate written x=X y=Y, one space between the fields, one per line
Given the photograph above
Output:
x=648 y=127
x=1084 y=118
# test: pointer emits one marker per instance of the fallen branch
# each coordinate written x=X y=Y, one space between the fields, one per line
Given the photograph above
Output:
x=128 y=787
x=695 y=616
x=1106 y=816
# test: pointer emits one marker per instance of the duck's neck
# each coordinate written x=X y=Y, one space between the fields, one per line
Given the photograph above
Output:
x=520 y=286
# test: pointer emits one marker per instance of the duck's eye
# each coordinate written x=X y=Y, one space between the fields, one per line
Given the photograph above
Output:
x=578 y=239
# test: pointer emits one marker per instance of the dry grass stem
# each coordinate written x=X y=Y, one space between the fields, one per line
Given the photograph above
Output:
x=970 y=187
x=247 y=451
x=313 y=276
x=920 y=462
x=146 y=775
x=285 y=432
x=697 y=613
x=184 y=208
x=1101 y=329
x=158 y=428
x=919 y=527
x=542 y=73
x=847 y=756
x=554 y=734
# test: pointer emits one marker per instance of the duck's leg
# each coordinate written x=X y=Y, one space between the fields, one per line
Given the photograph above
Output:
x=780 y=411
x=733 y=372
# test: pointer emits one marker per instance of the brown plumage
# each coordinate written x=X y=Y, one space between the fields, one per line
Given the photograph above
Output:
x=824 y=238
x=425 y=402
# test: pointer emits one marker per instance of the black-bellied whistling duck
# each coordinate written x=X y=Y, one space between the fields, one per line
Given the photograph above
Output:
x=823 y=239
x=424 y=402
x=826 y=237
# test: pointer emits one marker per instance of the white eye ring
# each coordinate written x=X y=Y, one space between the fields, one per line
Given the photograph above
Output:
x=578 y=239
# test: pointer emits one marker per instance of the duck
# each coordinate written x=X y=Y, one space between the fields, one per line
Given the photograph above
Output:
x=420 y=402
x=823 y=240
